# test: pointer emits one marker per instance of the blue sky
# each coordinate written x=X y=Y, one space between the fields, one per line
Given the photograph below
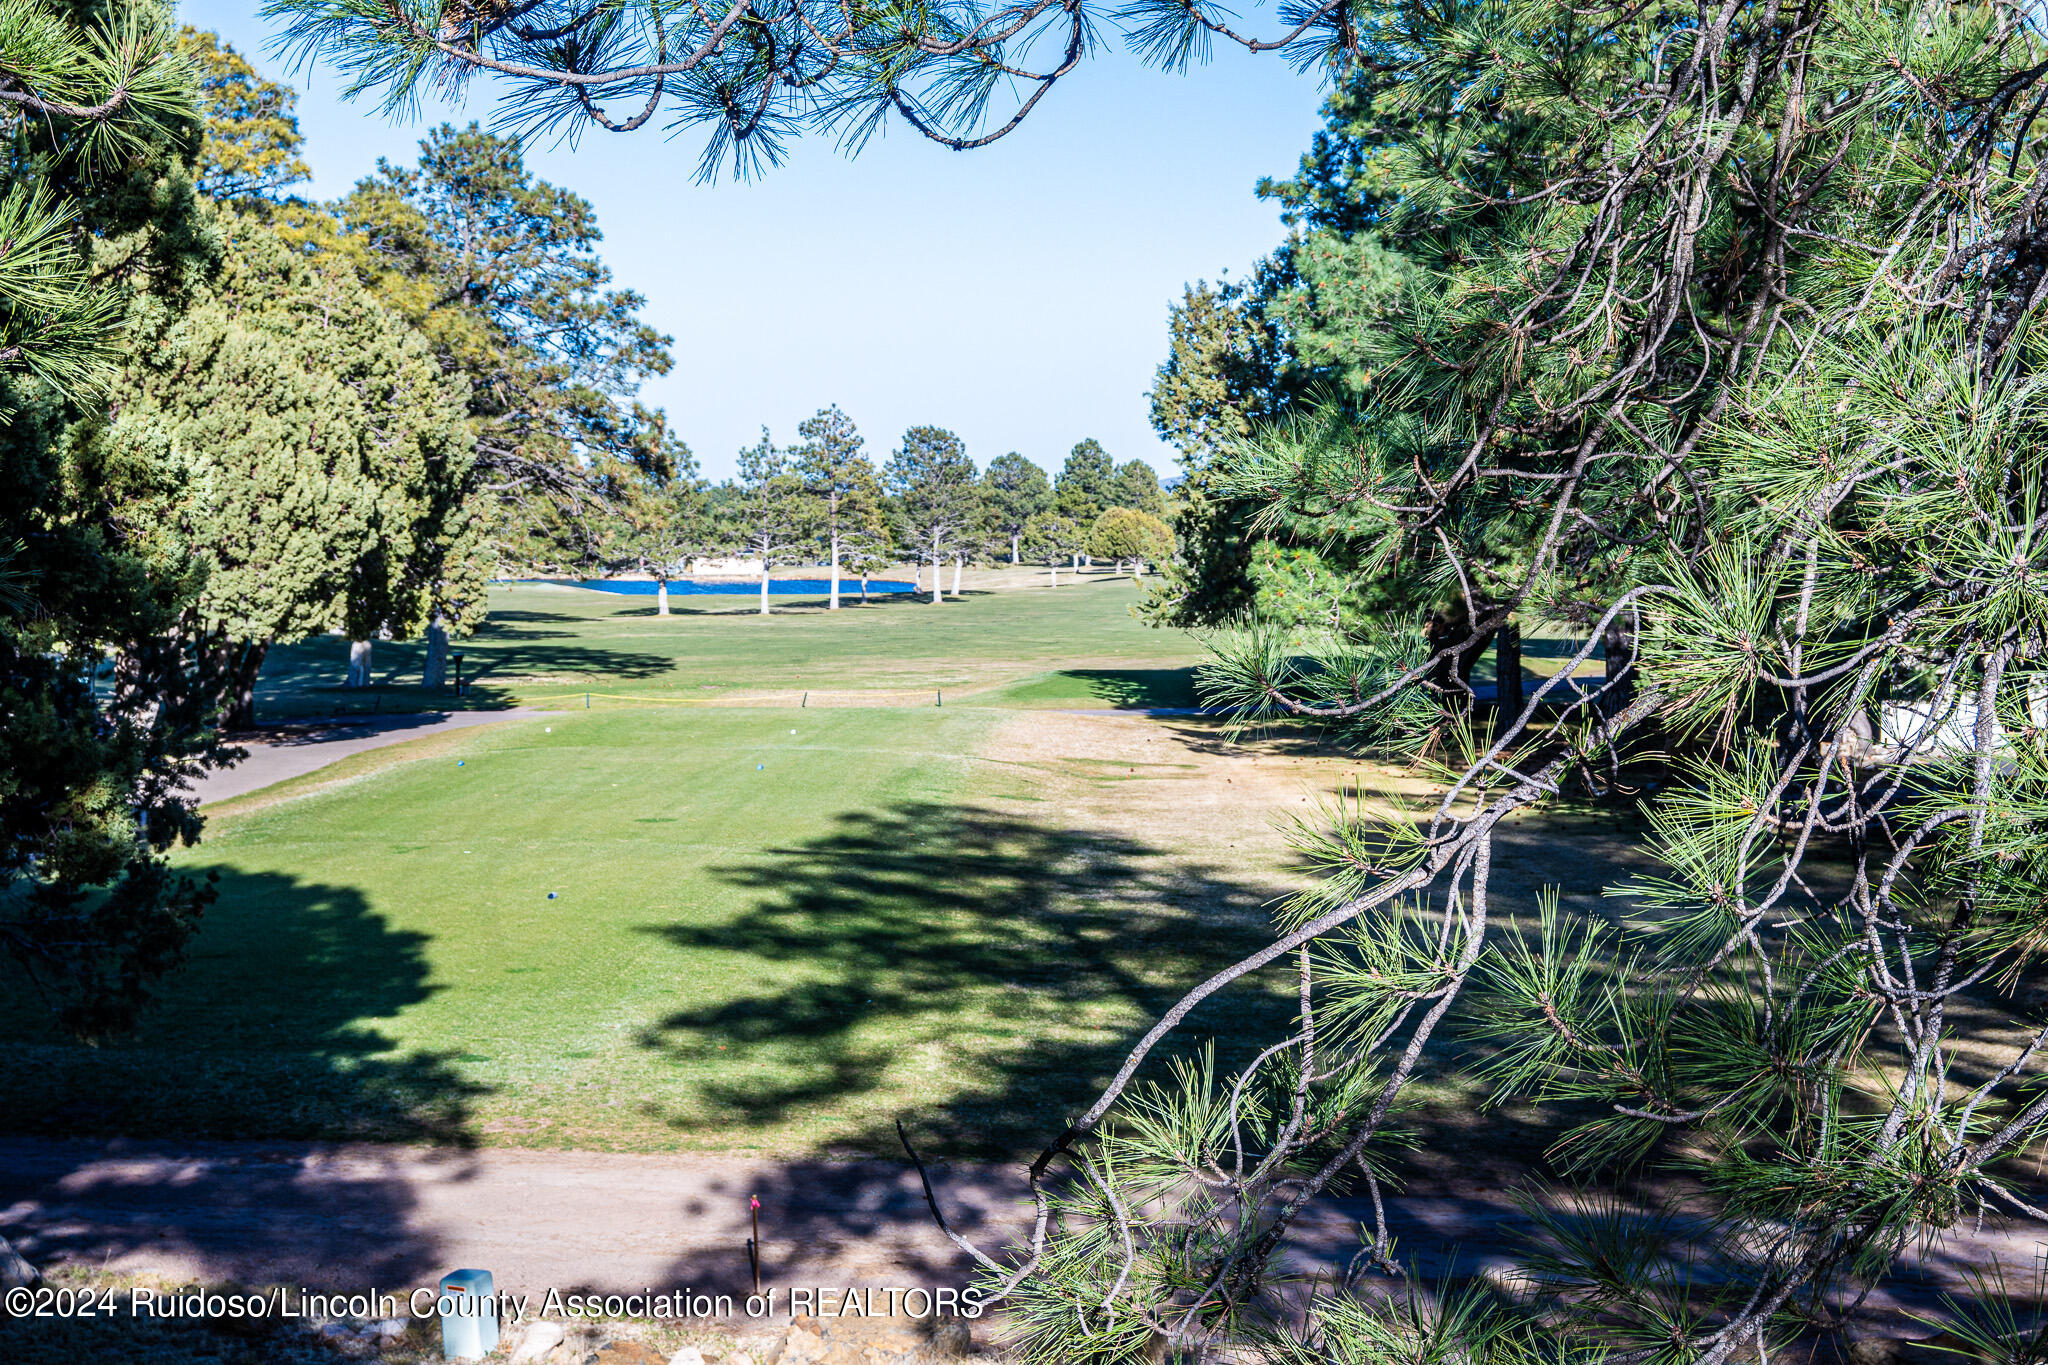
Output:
x=1016 y=294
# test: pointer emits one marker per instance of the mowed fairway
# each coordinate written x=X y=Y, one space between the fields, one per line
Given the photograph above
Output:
x=773 y=930
x=548 y=645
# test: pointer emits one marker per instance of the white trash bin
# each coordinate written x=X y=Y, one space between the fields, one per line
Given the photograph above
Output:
x=469 y=1315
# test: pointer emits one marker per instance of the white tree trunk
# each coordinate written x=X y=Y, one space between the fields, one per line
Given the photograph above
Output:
x=835 y=569
x=938 y=586
x=661 y=597
x=1013 y=549
x=1055 y=567
x=764 y=585
x=358 y=663
x=959 y=562
x=435 y=671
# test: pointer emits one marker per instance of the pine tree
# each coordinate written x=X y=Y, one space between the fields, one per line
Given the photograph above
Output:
x=252 y=152
x=102 y=717
x=767 y=511
x=840 y=481
x=662 y=519
x=1014 y=490
x=1715 y=333
x=317 y=458
x=1053 y=540
x=935 y=481
x=500 y=271
x=1085 y=485
x=1136 y=486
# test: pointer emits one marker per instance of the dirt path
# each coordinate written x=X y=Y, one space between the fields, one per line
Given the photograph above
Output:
x=294 y=750
x=355 y=1218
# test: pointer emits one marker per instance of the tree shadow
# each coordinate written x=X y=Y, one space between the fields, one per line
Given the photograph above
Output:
x=307 y=678
x=1019 y=960
x=1121 y=688
x=270 y=1031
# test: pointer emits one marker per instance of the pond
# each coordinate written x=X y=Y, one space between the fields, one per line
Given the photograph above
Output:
x=777 y=587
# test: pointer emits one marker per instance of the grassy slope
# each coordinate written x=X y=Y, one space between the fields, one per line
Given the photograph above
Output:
x=551 y=644
x=763 y=940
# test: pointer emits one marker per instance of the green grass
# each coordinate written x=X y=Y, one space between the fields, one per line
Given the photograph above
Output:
x=774 y=930
x=550 y=645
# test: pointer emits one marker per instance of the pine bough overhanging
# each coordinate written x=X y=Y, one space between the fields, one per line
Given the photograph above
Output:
x=1722 y=343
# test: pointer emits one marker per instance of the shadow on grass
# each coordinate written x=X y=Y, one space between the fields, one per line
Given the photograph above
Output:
x=1014 y=962
x=1121 y=688
x=269 y=1029
x=306 y=679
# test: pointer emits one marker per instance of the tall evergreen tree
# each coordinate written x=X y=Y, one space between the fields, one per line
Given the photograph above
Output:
x=1714 y=327
x=1053 y=540
x=103 y=715
x=418 y=569
x=252 y=152
x=500 y=269
x=317 y=453
x=767 y=509
x=934 y=479
x=1086 y=483
x=663 y=520
x=1014 y=490
x=1136 y=486
x=840 y=481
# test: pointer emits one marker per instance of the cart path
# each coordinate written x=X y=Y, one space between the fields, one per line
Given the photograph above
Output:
x=283 y=751
x=350 y=1218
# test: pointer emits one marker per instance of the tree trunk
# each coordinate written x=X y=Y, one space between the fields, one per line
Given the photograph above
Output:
x=358 y=663
x=1015 y=541
x=764 y=587
x=1452 y=626
x=863 y=591
x=661 y=596
x=434 y=673
x=1054 y=565
x=1618 y=645
x=245 y=661
x=938 y=585
x=835 y=570
x=1507 y=671
x=916 y=577
x=959 y=562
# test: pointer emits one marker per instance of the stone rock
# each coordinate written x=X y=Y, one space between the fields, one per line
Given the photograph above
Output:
x=627 y=1353
x=738 y=1358
x=802 y=1348
x=391 y=1329
x=950 y=1338
x=536 y=1341
x=689 y=1355
x=16 y=1273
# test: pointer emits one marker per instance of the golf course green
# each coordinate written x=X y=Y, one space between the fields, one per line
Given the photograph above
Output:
x=745 y=927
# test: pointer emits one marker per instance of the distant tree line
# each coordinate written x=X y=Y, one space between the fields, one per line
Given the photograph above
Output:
x=825 y=501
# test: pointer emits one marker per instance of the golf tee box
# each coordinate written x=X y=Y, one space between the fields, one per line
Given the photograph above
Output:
x=469 y=1315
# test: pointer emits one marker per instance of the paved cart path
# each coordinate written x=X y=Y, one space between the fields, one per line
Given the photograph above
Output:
x=293 y=750
x=352 y=1218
